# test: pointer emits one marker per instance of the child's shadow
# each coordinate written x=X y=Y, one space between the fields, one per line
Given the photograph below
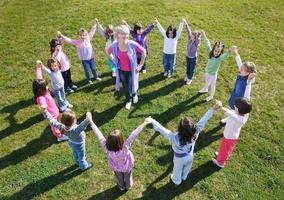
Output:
x=39 y=187
x=14 y=126
x=111 y=193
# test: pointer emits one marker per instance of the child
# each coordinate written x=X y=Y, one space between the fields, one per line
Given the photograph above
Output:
x=57 y=83
x=171 y=37
x=216 y=57
x=56 y=49
x=139 y=35
x=183 y=143
x=236 y=119
x=109 y=34
x=120 y=158
x=75 y=134
x=85 y=50
x=192 y=49
x=43 y=98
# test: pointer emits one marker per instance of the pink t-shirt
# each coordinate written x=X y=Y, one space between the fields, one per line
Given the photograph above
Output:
x=48 y=101
x=124 y=61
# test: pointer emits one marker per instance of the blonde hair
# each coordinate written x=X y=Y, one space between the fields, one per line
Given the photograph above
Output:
x=82 y=31
x=250 y=67
x=122 y=29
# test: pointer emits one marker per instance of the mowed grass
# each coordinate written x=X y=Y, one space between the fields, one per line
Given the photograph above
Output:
x=34 y=166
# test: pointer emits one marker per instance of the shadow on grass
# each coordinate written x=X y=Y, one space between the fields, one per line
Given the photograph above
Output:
x=111 y=193
x=14 y=126
x=169 y=191
x=41 y=186
x=32 y=148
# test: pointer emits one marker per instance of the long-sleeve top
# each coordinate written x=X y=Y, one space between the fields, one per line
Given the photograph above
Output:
x=122 y=160
x=213 y=64
x=242 y=85
x=141 y=38
x=55 y=77
x=192 y=45
x=174 y=137
x=62 y=58
x=170 y=44
x=109 y=41
x=48 y=101
x=76 y=133
x=84 y=47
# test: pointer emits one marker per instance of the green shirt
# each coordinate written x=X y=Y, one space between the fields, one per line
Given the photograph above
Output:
x=213 y=64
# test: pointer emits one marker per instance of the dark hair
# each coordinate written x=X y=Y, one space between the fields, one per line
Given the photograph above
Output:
x=186 y=131
x=217 y=45
x=68 y=118
x=173 y=29
x=115 y=141
x=51 y=61
x=243 y=104
x=39 y=87
x=137 y=27
x=53 y=43
x=109 y=29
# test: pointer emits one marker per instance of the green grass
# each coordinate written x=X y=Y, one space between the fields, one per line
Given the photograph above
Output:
x=34 y=166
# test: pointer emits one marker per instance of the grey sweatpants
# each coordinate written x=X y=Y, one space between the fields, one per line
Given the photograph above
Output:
x=124 y=180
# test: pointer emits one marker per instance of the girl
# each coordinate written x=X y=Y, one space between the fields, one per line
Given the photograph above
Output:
x=123 y=53
x=192 y=49
x=216 y=57
x=43 y=98
x=171 y=37
x=75 y=134
x=85 y=50
x=56 y=49
x=120 y=158
x=183 y=143
x=57 y=83
x=139 y=35
x=109 y=35
x=236 y=119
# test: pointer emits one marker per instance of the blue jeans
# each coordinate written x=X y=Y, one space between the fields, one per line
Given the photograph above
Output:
x=79 y=154
x=190 y=66
x=126 y=79
x=182 y=167
x=61 y=99
x=169 y=61
x=89 y=64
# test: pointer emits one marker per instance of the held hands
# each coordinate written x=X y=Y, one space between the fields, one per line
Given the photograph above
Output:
x=123 y=22
x=42 y=108
x=148 y=120
x=96 y=21
x=184 y=20
x=234 y=49
x=39 y=63
x=59 y=34
x=155 y=21
x=218 y=105
x=89 y=117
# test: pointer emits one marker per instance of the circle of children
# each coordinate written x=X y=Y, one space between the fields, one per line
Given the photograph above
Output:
x=126 y=59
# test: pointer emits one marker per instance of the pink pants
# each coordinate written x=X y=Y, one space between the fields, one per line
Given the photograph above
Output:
x=210 y=80
x=56 y=132
x=226 y=148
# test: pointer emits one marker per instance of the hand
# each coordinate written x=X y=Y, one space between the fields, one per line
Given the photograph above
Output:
x=234 y=49
x=203 y=33
x=59 y=34
x=139 y=67
x=42 y=108
x=251 y=77
x=218 y=105
x=123 y=22
x=89 y=117
x=148 y=120
x=39 y=63
x=183 y=20
x=155 y=21
x=58 y=48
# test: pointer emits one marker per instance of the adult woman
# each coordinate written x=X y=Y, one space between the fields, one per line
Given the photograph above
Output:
x=124 y=54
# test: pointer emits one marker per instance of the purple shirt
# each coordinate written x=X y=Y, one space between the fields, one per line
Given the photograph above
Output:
x=122 y=160
x=141 y=39
x=192 y=46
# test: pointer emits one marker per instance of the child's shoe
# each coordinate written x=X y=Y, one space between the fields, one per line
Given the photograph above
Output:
x=217 y=163
x=62 y=138
x=135 y=99
x=90 y=165
x=113 y=74
x=188 y=81
x=69 y=90
x=209 y=98
x=165 y=74
x=98 y=79
x=128 y=105
x=185 y=79
x=74 y=87
x=169 y=75
x=203 y=90
x=90 y=82
x=144 y=71
x=216 y=154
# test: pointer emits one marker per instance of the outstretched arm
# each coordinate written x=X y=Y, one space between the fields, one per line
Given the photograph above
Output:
x=38 y=70
x=102 y=30
x=188 y=30
x=148 y=29
x=206 y=42
x=93 y=29
x=66 y=39
x=161 y=29
x=135 y=133
x=161 y=129
x=179 y=31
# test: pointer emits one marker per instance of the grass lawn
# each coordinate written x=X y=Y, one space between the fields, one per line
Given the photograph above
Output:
x=33 y=165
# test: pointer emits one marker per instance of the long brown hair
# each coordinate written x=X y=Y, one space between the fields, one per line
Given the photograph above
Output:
x=115 y=141
x=186 y=131
x=39 y=87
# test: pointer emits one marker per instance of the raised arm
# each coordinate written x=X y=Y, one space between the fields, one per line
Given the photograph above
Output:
x=134 y=134
x=179 y=31
x=148 y=29
x=66 y=39
x=38 y=70
x=206 y=42
x=93 y=30
x=165 y=132
x=237 y=57
x=250 y=80
x=161 y=29
x=102 y=30
x=188 y=30
x=57 y=53
x=225 y=55
x=203 y=121
x=52 y=121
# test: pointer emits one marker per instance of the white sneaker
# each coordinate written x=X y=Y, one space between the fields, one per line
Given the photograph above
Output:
x=169 y=75
x=203 y=90
x=185 y=78
x=62 y=138
x=165 y=74
x=135 y=99
x=113 y=74
x=209 y=98
x=90 y=82
x=98 y=79
x=144 y=71
x=217 y=163
x=70 y=106
x=188 y=82
x=128 y=105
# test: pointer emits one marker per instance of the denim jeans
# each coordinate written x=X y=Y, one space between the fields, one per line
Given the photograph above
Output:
x=79 y=154
x=169 y=61
x=89 y=64
x=190 y=66
x=126 y=79
x=182 y=167
x=61 y=99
